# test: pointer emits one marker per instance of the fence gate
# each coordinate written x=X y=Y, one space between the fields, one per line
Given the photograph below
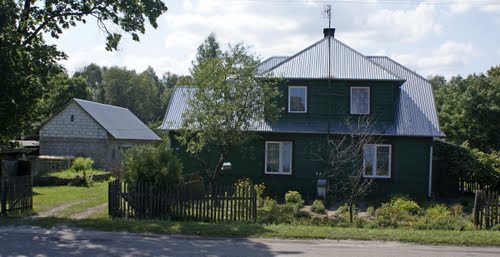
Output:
x=16 y=195
x=182 y=202
x=486 y=209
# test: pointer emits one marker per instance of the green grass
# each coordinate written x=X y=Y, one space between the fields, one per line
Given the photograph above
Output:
x=46 y=198
x=49 y=197
x=100 y=222
x=71 y=174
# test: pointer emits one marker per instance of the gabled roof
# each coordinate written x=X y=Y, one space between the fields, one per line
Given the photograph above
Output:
x=415 y=110
x=415 y=107
x=345 y=63
x=120 y=122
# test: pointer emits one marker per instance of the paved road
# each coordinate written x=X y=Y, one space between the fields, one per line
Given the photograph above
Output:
x=23 y=241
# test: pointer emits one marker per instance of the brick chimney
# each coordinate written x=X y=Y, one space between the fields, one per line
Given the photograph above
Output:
x=329 y=32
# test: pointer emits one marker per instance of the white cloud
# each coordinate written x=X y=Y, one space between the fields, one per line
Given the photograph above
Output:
x=459 y=8
x=396 y=26
x=445 y=60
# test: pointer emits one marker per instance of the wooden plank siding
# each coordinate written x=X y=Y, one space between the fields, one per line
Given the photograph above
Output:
x=382 y=99
x=409 y=175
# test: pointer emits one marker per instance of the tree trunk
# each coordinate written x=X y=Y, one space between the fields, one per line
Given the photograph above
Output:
x=350 y=211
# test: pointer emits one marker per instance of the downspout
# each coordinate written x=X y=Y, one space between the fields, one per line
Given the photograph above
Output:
x=429 y=193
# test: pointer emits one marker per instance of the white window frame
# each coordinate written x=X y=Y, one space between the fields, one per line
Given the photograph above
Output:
x=305 y=100
x=369 y=100
x=280 y=172
x=374 y=164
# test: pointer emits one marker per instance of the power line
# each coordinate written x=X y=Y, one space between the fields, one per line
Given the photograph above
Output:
x=403 y=2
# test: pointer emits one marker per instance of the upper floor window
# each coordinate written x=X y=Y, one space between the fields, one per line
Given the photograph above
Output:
x=360 y=100
x=377 y=161
x=297 y=99
x=278 y=157
x=72 y=117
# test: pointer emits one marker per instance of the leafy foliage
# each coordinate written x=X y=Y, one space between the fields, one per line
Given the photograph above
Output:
x=471 y=165
x=318 y=207
x=228 y=98
x=27 y=62
x=294 y=197
x=157 y=165
x=396 y=212
x=82 y=163
x=469 y=109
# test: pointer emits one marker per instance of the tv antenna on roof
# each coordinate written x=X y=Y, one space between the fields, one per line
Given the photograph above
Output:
x=327 y=12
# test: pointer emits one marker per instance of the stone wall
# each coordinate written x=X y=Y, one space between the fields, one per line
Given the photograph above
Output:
x=82 y=126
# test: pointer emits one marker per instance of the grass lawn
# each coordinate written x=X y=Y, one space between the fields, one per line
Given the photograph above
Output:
x=47 y=198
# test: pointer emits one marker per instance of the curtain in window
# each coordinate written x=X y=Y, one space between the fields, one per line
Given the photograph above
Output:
x=360 y=101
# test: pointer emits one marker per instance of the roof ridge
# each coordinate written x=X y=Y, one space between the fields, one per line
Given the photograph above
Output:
x=92 y=102
x=365 y=57
x=295 y=55
x=406 y=68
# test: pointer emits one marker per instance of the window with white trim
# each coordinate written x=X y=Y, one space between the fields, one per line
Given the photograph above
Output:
x=278 y=158
x=360 y=100
x=377 y=161
x=297 y=99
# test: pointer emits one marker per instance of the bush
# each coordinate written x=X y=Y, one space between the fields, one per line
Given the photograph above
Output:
x=437 y=211
x=155 y=165
x=294 y=197
x=398 y=211
x=447 y=223
x=343 y=211
x=81 y=164
x=318 y=207
x=371 y=211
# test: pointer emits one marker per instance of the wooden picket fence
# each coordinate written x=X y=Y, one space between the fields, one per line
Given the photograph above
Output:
x=486 y=209
x=192 y=201
x=16 y=195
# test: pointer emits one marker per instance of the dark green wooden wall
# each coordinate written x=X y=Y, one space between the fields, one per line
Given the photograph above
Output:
x=382 y=99
x=410 y=165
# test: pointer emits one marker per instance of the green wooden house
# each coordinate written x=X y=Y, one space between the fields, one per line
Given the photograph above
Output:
x=324 y=85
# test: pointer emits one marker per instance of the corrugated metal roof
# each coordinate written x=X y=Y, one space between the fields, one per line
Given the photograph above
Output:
x=345 y=63
x=270 y=62
x=415 y=108
x=120 y=122
x=179 y=104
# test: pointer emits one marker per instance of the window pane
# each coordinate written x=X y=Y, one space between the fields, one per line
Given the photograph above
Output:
x=297 y=99
x=273 y=156
x=368 y=159
x=286 y=162
x=360 y=100
x=383 y=160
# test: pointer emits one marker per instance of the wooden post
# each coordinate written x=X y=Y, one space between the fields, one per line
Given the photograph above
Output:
x=4 y=196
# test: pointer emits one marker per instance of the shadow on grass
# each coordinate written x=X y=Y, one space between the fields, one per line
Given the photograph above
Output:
x=234 y=229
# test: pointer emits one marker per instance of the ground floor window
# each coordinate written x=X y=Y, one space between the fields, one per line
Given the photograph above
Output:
x=278 y=157
x=377 y=161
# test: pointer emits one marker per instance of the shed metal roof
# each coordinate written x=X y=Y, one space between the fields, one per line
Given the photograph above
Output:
x=120 y=122
x=345 y=63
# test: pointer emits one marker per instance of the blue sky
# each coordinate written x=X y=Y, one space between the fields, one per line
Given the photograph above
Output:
x=431 y=37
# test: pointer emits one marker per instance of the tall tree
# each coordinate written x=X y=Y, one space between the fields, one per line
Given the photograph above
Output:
x=208 y=50
x=61 y=90
x=26 y=60
x=227 y=100
x=469 y=109
x=92 y=73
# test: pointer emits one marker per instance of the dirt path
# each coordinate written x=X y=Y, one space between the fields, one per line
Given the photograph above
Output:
x=88 y=212
x=54 y=211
